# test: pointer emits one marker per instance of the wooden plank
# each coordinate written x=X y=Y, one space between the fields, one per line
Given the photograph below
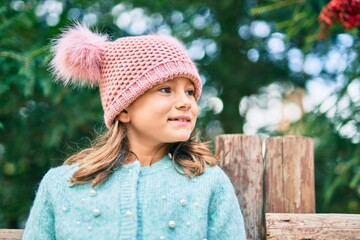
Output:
x=298 y=160
x=297 y=226
x=274 y=175
x=289 y=175
x=243 y=164
x=11 y=234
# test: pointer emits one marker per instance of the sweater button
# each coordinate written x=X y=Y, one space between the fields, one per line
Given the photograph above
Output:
x=172 y=224
x=92 y=192
x=182 y=202
x=162 y=238
x=96 y=212
x=128 y=213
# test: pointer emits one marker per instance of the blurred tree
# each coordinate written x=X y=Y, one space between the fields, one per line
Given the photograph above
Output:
x=335 y=123
x=40 y=122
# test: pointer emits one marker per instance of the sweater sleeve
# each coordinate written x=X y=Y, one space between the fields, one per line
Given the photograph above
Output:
x=225 y=220
x=40 y=223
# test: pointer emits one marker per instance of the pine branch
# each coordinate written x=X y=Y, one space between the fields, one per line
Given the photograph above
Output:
x=275 y=6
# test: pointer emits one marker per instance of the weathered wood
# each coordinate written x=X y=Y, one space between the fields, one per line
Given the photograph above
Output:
x=244 y=165
x=11 y=234
x=296 y=226
x=289 y=175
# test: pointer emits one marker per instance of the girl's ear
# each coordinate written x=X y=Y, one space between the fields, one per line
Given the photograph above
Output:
x=124 y=116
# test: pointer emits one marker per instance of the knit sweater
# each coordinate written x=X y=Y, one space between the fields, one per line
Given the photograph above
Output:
x=145 y=203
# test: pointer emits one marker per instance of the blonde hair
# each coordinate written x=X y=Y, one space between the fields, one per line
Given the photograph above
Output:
x=111 y=150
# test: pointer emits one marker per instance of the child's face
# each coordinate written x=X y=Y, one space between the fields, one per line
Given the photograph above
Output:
x=164 y=114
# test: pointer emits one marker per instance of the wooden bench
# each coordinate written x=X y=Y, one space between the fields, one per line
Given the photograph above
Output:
x=312 y=226
x=274 y=182
x=10 y=234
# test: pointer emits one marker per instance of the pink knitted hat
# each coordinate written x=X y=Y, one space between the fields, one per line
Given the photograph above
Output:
x=123 y=69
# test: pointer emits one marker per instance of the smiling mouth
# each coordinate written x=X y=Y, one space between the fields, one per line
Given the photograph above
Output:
x=180 y=119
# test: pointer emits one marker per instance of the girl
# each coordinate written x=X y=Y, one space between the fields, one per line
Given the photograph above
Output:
x=147 y=177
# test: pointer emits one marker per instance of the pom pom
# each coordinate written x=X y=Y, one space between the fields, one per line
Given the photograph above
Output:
x=77 y=56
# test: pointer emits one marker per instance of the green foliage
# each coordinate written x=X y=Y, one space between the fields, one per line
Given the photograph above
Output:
x=41 y=123
x=337 y=149
x=37 y=117
x=298 y=19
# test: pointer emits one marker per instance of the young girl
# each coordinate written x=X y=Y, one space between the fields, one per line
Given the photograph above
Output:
x=147 y=177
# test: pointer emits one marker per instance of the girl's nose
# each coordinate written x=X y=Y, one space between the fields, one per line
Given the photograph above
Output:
x=183 y=101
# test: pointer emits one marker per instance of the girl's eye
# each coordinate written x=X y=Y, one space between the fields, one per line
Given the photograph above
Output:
x=165 y=90
x=190 y=92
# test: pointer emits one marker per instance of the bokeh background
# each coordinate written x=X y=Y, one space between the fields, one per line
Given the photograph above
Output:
x=268 y=67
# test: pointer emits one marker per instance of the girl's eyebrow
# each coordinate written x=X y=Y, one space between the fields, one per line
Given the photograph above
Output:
x=162 y=84
x=190 y=84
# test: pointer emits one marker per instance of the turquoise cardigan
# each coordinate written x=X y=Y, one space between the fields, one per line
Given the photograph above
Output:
x=151 y=203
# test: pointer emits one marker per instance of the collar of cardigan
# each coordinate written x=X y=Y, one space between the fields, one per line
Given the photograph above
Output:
x=159 y=166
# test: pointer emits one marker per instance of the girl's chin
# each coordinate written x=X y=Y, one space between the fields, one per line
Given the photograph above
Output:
x=179 y=139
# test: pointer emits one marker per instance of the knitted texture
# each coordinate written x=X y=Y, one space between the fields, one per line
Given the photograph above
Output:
x=133 y=65
x=143 y=203
x=123 y=69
